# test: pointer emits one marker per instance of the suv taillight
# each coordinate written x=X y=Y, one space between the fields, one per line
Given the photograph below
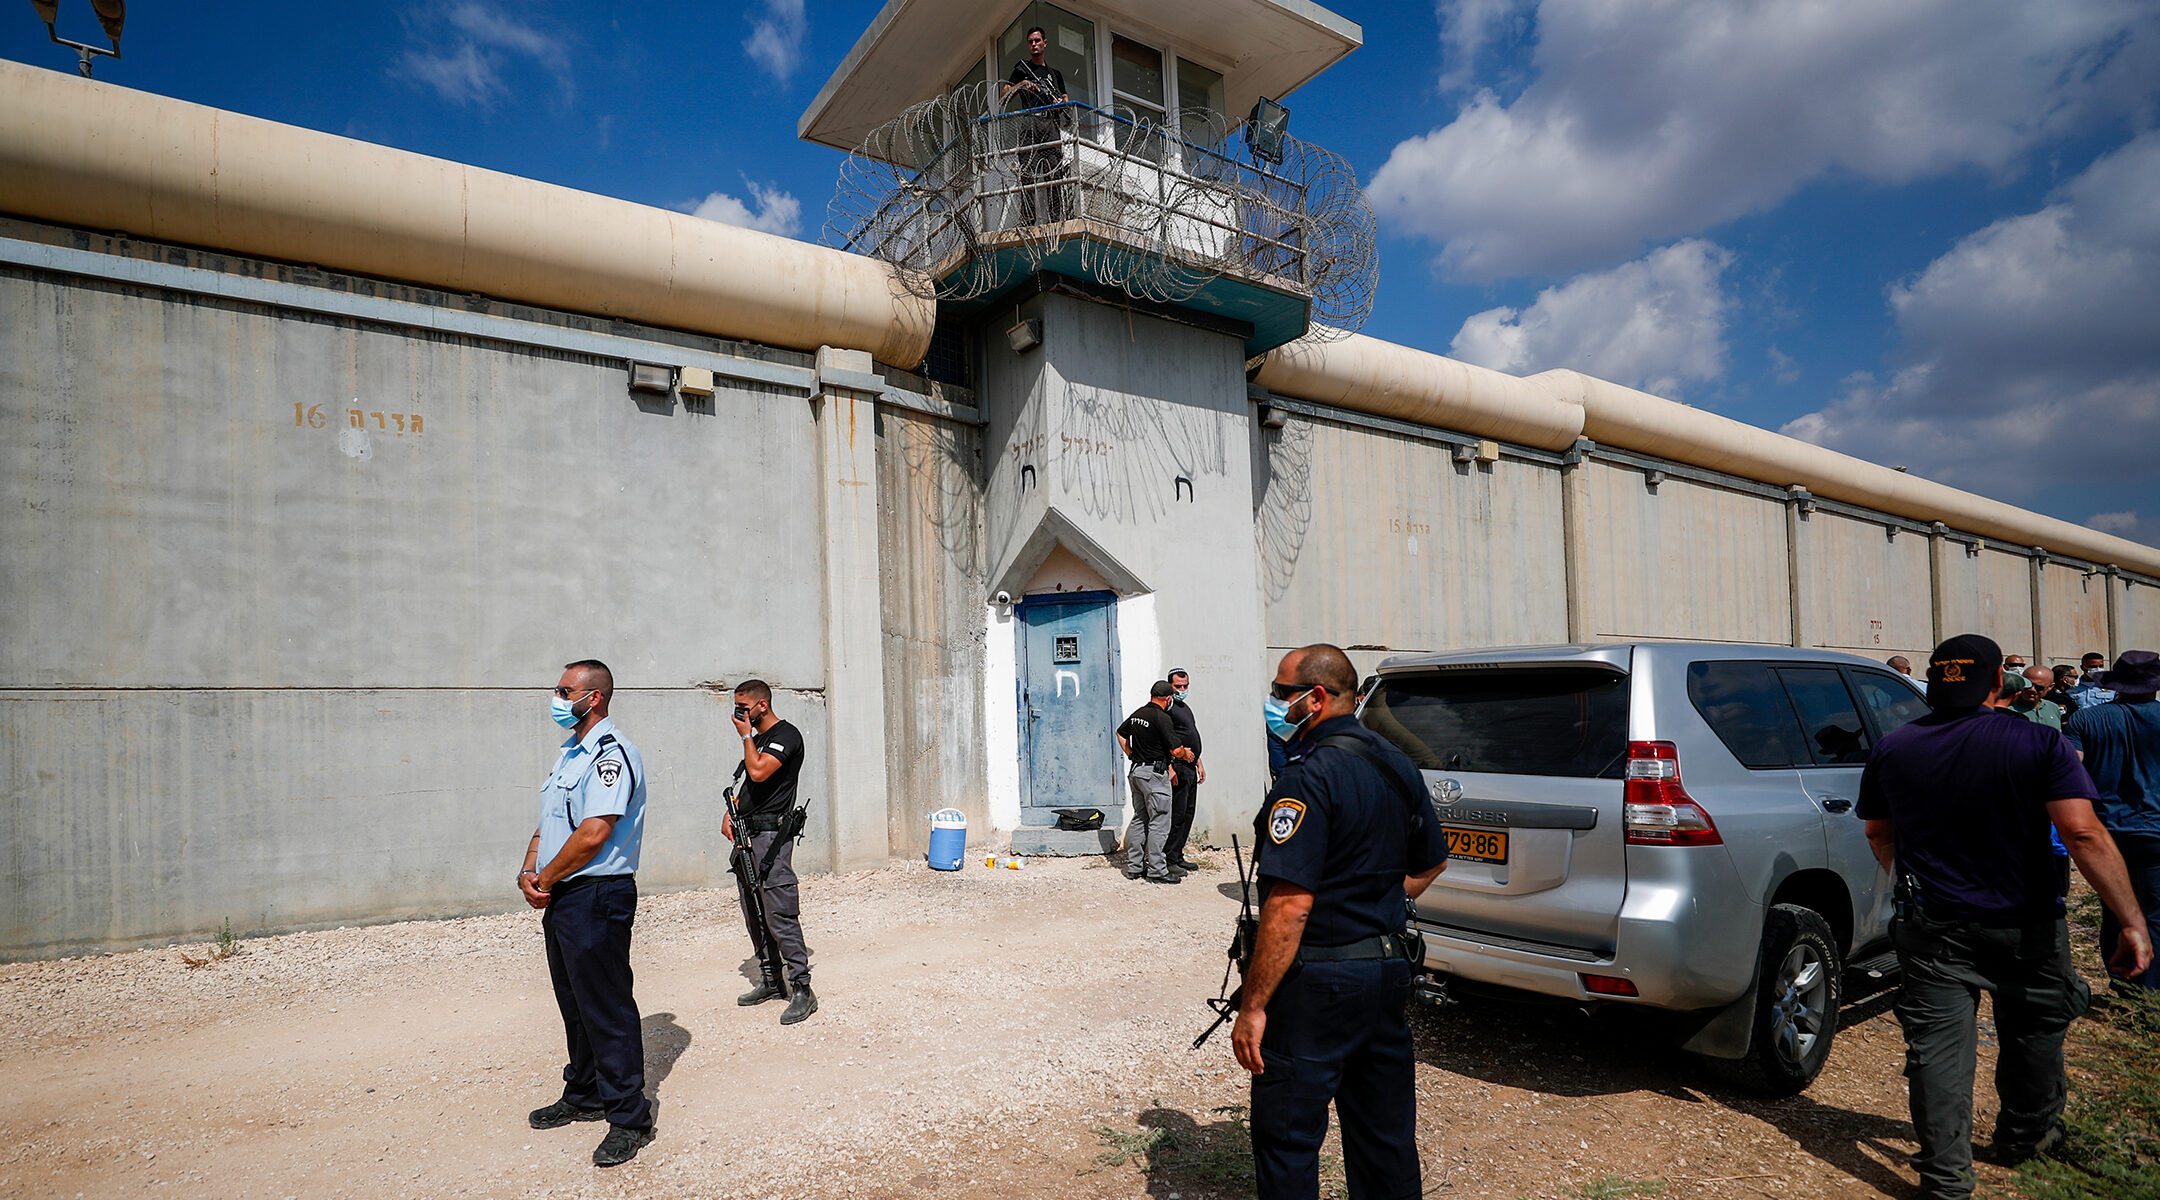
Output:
x=1659 y=812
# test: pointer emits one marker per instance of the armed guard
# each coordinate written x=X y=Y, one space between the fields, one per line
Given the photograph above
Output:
x=1345 y=841
x=771 y=817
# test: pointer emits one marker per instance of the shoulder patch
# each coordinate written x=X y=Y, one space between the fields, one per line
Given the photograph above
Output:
x=609 y=770
x=1284 y=818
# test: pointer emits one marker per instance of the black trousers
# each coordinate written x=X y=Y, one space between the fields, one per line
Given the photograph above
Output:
x=1946 y=965
x=1337 y=1031
x=1184 y=789
x=588 y=951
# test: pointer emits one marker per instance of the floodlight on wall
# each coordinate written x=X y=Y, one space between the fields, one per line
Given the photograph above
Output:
x=1265 y=129
x=111 y=14
x=1025 y=335
x=1463 y=452
x=652 y=377
x=1272 y=417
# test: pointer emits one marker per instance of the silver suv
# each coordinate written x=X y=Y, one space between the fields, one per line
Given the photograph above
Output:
x=1659 y=824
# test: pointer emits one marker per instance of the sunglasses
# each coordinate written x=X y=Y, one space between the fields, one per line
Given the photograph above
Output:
x=566 y=693
x=1284 y=691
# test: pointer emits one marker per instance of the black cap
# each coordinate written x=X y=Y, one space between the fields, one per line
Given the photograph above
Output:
x=2136 y=673
x=1962 y=671
x=1161 y=689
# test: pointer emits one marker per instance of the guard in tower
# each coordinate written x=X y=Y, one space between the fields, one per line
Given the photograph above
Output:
x=1036 y=84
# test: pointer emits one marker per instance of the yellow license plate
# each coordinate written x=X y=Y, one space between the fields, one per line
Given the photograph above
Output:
x=1476 y=845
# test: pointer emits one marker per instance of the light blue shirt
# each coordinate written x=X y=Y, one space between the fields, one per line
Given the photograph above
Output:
x=600 y=775
x=2090 y=695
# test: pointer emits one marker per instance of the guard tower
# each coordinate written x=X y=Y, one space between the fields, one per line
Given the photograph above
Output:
x=1105 y=260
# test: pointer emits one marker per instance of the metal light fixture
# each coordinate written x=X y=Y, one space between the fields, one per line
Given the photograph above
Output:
x=651 y=377
x=1025 y=335
x=110 y=13
x=1265 y=129
x=1272 y=417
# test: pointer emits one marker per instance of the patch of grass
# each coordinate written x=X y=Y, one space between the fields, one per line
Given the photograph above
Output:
x=1216 y=1157
x=1613 y=1187
x=225 y=946
x=2113 y=1148
x=1125 y=1147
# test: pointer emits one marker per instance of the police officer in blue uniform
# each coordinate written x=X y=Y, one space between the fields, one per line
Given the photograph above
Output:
x=1338 y=849
x=580 y=870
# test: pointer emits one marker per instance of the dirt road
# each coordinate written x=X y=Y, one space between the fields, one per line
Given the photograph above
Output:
x=985 y=1033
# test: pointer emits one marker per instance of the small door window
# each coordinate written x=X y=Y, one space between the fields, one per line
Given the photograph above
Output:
x=1067 y=649
x=1889 y=701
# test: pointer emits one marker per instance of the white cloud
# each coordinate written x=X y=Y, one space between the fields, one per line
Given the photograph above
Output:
x=776 y=38
x=1656 y=323
x=2038 y=335
x=2127 y=525
x=1468 y=27
x=774 y=211
x=462 y=51
x=1782 y=366
x=1649 y=121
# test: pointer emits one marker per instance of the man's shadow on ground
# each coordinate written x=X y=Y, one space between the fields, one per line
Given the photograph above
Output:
x=665 y=1042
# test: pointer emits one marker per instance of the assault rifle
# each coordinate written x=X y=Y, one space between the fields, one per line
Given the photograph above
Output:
x=743 y=861
x=1242 y=944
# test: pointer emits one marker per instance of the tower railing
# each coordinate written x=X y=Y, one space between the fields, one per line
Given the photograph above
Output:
x=962 y=195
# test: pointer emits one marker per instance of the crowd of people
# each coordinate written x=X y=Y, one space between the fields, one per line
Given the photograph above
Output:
x=1975 y=811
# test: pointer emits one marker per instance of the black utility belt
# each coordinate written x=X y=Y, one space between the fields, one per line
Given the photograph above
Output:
x=577 y=881
x=1383 y=947
x=765 y=822
x=1160 y=766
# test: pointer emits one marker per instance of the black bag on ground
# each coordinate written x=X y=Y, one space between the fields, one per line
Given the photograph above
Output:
x=1078 y=820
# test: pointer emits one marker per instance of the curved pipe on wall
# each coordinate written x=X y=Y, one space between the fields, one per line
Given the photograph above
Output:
x=92 y=155
x=1388 y=380
x=1549 y=410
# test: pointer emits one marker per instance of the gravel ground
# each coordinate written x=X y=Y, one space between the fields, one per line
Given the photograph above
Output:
x=982 y=1033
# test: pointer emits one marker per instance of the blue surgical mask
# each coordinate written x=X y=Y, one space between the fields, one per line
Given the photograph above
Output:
x=1278 y=718
x=564 y=712
x=1180 y=693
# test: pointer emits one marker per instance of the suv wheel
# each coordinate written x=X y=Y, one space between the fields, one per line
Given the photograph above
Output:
x=1796 y=1003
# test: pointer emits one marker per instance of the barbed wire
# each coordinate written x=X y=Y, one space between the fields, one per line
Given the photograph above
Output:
x=967 y=192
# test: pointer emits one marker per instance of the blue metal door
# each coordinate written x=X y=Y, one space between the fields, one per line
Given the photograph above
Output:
x=1068 y=705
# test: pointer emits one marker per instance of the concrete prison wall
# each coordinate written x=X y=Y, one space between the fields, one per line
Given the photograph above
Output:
x=1398 y=536
x=933 y=581
x=286 y=589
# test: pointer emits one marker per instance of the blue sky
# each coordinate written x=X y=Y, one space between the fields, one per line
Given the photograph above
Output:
x=1926 y=232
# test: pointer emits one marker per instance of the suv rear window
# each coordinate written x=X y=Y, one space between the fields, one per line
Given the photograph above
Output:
x=1540 y=721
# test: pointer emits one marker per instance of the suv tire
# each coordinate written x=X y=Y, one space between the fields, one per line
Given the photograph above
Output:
x=1796 y=1003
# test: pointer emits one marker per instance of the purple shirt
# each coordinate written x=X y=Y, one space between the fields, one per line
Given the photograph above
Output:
x=1966 y=795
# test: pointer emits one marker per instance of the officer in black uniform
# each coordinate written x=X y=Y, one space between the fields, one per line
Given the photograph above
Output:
x=1186 y=777
x=1338 y=849
x=772 y=758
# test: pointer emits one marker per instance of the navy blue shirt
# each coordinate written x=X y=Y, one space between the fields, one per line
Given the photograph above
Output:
x=2121 y=745
x=1335 y=828
x=1966 y=794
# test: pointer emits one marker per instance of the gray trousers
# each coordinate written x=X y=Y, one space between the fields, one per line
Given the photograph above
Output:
x=1150 y=829
x=2037 y=994
x=783 y=905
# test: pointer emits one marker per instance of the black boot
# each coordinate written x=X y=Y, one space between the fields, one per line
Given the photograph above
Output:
x=768 y=988
x=800 y=1005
